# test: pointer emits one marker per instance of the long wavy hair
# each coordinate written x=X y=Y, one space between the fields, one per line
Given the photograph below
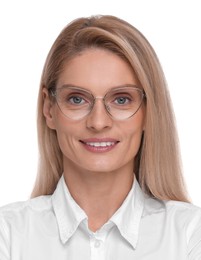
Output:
x=157 y=164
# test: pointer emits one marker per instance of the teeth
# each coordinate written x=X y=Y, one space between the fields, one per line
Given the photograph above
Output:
x=101 y=144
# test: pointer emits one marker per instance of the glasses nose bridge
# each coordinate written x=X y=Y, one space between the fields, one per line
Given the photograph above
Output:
x=99 y=97
x=103 y=101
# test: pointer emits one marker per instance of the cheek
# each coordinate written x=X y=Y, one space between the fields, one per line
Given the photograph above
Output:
x=66 y=142
x=134 y=138
x=66 y=133
x=134 y=131
x=136 y=124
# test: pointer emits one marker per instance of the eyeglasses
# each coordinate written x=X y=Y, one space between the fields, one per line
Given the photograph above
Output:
x=120 y=103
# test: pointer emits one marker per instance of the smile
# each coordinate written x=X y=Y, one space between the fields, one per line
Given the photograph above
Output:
x=100 y=144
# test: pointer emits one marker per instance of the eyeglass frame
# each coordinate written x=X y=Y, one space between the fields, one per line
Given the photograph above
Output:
x=52 y=91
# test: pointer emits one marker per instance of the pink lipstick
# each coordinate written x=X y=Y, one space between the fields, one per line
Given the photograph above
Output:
x=99 y=145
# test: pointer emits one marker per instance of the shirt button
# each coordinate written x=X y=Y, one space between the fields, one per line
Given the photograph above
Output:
x=97 y=243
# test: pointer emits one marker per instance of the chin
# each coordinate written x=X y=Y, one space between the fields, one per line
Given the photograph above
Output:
x=102 y=167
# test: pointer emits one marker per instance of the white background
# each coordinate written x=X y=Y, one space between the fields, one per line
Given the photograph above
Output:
x=27 y=31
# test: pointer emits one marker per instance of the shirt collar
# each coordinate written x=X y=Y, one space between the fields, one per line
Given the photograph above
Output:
x=127 y=218
x=68 y=213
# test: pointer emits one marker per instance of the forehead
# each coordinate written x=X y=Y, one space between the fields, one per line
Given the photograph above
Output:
x=97 y=69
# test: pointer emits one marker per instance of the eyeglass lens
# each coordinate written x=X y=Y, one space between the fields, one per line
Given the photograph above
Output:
x=120 y=103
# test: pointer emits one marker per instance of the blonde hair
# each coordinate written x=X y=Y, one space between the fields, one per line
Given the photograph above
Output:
x=157 y=164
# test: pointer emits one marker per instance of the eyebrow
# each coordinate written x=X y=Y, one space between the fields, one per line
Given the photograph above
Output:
x=114 y=87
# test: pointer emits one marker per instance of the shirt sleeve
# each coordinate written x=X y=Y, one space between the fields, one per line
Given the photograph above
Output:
x=4 y=241
x=194 y=245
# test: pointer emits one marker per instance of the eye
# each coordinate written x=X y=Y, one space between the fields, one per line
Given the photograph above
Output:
x=72 y=98
x=121 y=100
x=77 y=100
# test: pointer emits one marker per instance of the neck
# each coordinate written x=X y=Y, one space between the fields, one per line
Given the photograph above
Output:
x=99 y=194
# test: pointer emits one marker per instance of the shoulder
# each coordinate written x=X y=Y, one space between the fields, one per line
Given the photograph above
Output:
x=184 y=212
x=180 y=214
x=20 y=218
x=34 y=204
x=171 y=207
x=180 y=217
x=187 y=214
x=182 y=206
x=24 y=209
x=188 y=217
x=173 y=210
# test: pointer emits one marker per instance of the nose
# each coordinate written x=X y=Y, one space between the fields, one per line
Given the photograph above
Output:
x=99 y=119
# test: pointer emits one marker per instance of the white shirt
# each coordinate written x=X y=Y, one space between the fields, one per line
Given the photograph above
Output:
x=55 y=227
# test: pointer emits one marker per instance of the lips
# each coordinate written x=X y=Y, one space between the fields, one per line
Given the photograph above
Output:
x=99 y=145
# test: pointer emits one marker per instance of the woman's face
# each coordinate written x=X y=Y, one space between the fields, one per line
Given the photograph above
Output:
x=96 y=142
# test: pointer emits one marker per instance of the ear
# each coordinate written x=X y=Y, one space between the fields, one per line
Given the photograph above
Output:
x=48 y=109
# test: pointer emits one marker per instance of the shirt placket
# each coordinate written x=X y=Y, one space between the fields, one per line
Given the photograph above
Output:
x=97 y=246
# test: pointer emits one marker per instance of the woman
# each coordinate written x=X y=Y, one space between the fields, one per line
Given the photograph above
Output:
x=109 y=184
